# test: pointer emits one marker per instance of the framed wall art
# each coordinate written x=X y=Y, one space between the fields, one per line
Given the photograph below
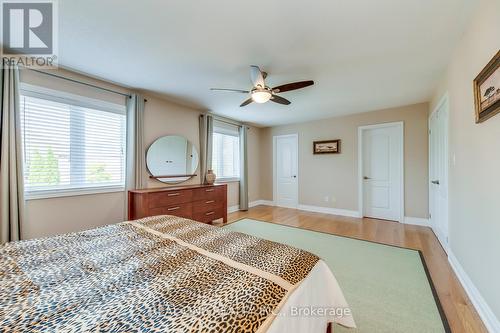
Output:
x=326 y=147
x=487 y=90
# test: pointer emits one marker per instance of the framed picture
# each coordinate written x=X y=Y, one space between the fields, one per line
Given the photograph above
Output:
x=487 y=90
x=326 y=147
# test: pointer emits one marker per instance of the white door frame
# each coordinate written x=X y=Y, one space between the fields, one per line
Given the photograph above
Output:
x=275 y=138
x=361 y=130
x=444 y=101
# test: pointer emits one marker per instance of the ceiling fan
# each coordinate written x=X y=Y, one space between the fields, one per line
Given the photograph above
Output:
x=260 y=93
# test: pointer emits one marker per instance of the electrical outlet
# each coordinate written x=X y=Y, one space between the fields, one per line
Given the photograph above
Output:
x=326 y=199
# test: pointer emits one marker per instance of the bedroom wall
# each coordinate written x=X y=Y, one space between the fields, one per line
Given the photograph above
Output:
x=336 y=175
x=45 y=217
x=474 y=184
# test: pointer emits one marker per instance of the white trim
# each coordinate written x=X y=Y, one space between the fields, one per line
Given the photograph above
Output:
x=233 y=209
x=81 y=101
x=328 y=210
x=36 y=195
x=400 y=125
x=485 y=312
x=445 y=243
x=275 y=137
x=338 y=211
x=261 y=203
x=417 y=221
x=309 y=208
x=68 y=98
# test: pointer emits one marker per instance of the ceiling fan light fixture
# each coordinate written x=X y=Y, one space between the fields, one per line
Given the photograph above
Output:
x=261 y=96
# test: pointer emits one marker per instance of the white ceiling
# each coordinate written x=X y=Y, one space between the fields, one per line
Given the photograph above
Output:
x=363 y=54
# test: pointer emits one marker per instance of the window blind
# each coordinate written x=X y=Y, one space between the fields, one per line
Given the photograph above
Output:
x=226 y=151
x=71 y=147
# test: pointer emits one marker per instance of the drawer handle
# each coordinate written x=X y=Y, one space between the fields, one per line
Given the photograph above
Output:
x=210 y=190
x=209 y=201
x=173 y=208
x=210 y=213
x=173 y=194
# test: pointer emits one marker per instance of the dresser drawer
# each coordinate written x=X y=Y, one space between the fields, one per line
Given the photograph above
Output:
x=207 y=205
x=168 y=198
x=208 y=193
x=204 y=203
x=181 y=210
x=209 y=216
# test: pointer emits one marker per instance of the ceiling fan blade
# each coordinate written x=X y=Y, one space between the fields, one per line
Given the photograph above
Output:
x=248 y=101
x=257 y=77
x=280 y=100
x=293 y=86
x=231 y=90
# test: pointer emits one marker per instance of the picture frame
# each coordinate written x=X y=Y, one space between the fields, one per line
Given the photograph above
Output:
x=326 y=147
x=487 y=90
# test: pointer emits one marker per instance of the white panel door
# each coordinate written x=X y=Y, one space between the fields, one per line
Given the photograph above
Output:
x=438 y=167
x=286 y=171
x=382 y=172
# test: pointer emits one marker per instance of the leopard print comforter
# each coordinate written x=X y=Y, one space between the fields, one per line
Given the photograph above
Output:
x=158 y=274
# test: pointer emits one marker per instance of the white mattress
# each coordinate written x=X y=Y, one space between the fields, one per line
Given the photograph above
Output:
x=320 y=291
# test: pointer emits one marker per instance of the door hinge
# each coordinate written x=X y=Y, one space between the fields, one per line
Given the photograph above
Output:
x=430 y=216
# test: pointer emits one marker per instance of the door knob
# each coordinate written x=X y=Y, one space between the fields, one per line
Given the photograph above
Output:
x=435 y=182
x=294 y=176
x=366 y=178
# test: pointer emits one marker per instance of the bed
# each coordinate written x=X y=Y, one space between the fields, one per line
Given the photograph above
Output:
x=165 y=274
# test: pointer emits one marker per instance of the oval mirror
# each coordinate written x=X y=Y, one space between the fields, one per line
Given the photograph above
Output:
x=172 y=159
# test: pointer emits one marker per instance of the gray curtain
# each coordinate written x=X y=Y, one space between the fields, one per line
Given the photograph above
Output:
x=11 y=157
x=243 y=168
x=136 y=157
x=206 y=138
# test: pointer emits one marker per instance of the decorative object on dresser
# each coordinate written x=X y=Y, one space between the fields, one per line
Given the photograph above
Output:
x=172 y=159
x=211 y=177
x=203 y=203
x=326 y=147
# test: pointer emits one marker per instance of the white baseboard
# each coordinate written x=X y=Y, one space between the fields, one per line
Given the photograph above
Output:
x=328 y=210
x=233 y=209
x=489 y=319
x=309 y=208
x=338 y=211
x=261 y=202
x=417 y=221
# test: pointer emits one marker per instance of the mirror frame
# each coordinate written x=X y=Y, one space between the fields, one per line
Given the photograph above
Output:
x=165 y=179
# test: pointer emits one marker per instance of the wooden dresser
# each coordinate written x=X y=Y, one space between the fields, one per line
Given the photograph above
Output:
x=203 y=203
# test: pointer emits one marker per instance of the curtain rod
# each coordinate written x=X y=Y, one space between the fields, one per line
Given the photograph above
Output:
x=223 y=120
x=230 y=123
x=80 y=82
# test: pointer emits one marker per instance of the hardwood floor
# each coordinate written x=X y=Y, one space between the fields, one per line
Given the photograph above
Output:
x=461 y=315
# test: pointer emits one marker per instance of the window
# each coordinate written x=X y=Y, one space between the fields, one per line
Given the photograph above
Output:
x=71 y=145
x=226 y=151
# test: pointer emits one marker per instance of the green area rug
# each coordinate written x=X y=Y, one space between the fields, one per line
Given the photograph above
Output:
x=387 y=287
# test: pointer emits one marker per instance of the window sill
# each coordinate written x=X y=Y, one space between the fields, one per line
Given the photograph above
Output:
x=36 y=195
x=226 y=180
